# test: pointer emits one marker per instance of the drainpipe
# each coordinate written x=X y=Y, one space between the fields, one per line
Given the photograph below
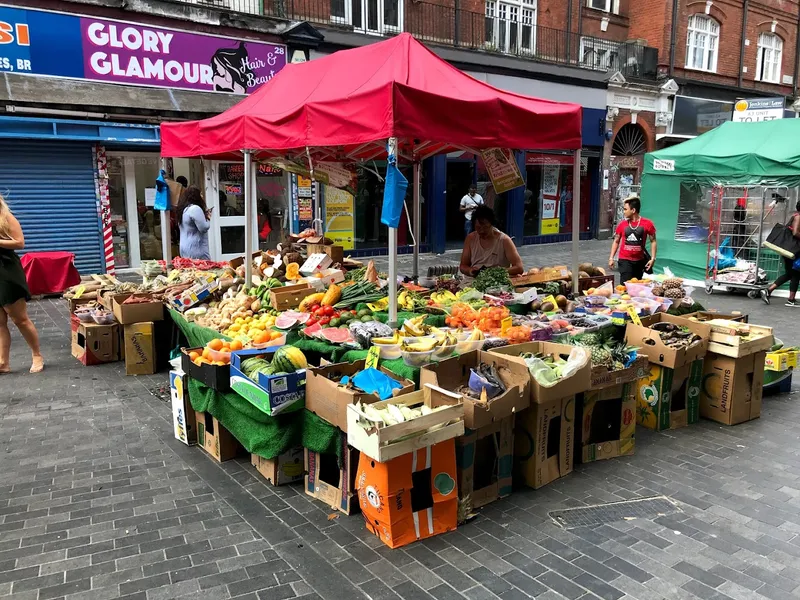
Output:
x=796 y=57
x=741 y=42
x=569 y=31
x=672 y=37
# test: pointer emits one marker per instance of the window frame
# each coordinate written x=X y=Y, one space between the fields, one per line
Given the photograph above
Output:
x=775 y=49
x=383 y=27
x=611 y=6
x=711 y=35
x=507 y=34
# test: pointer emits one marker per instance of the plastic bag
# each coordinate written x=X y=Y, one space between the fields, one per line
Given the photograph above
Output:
x=373 y=381
x=639 y=290
x=547 y=377
x=394 y=193
x=162 y=192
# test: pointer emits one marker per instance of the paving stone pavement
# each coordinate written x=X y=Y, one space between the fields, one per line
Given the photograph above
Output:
x=98 y=501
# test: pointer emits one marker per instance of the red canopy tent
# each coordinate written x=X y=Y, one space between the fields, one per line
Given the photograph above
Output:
x=346 y=106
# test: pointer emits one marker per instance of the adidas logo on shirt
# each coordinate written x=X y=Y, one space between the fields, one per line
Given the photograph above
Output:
x=632 y=237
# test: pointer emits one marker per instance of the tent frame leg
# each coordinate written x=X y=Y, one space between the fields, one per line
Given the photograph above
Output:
x=416 y=223
x=576 y=214
x=248 y=218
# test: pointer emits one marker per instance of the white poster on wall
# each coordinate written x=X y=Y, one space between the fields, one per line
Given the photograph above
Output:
x=550 y=180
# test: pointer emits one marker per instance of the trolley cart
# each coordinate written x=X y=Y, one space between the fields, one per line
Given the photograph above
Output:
x=741 y=218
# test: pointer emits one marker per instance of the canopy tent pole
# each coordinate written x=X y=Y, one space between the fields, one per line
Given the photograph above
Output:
x=166 y=229
x=416 y=211
x=392 y=277
x=248 y=217
x=576 y=214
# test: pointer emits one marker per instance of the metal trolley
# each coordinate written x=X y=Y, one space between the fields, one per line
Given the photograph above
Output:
x=741 y=218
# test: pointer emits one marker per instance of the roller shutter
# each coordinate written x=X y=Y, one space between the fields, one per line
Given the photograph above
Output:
x=49 y=186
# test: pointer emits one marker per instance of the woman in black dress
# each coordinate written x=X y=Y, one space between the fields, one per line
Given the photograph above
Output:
x=14 y=294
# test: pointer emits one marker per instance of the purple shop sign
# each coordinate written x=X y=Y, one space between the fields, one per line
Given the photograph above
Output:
x=144 y=55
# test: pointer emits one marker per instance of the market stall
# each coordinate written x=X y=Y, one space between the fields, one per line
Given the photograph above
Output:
x=678 y=182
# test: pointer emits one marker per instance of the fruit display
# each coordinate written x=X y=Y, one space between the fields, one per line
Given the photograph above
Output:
x=492 y=278
x=485 y=382
x=604 y=350
x=393 y=414
x=675 y=336
x=357 y=293
x=285 y=360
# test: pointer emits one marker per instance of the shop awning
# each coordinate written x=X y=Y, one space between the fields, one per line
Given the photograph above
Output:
x=346 y=105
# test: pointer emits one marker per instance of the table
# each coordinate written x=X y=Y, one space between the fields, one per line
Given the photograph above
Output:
x=49 y=272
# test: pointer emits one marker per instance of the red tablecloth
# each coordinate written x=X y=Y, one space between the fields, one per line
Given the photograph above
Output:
x=50 y=272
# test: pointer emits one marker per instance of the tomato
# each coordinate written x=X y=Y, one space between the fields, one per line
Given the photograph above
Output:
x=328 y=310
x=311 y=321
x=315 y=308
x=319 y=312
x=324 y=320
x=353 y=312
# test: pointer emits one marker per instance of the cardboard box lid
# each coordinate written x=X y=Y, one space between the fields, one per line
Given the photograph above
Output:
x=126 y=314
x=649 y=343
x=579 y=382
x=454 y=372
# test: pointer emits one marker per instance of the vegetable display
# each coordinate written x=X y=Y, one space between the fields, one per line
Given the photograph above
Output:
x=492 y=278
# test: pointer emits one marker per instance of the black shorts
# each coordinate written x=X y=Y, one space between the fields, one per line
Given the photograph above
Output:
x=630 y=269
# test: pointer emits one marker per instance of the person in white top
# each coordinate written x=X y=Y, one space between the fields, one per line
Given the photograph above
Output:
x=470 y=202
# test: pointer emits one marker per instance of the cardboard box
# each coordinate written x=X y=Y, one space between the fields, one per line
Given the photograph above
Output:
x=579 y=382
x=289 y=296
x=669 y=398
x=94 y=344
x=335 y=252
x=602 y=377
x=725 y=338
x=330 y=482
x=606 y=422
x=315 y=262
x=74 y=303
x=707 y=315
x=127 y=314
x=329 y=401
x=140 y=349
x=286 y=468
x=237 y=262
x=411 y=497
x=217 y=377
x=196 y=294
x=271 y=394
x=648 y=341
x=454 y=372
x=544 y=442
x=732 y=387
x=382 y=442
x=214 y=438
x=485 y=459
x=324 y=278
x=183 y=416
x=780 y=360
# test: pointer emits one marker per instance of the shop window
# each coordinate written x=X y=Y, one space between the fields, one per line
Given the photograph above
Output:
x=119 y=213
x=548 y=195
x=702 y=43
x=369 y=231
x=146 y=169
x=770 y=51
x=629 y=141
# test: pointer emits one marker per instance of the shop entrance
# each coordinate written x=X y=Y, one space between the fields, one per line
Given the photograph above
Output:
x=460 y=175
x=135 y=224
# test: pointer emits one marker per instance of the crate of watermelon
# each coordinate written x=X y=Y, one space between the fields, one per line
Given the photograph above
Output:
x=274 y=381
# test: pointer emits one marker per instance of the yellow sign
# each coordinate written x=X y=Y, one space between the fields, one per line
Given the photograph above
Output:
x=79 y=291
x=505 y=325
x=372 y=357
x=634 y=317
x=550 y=226
x=339 y=222
x=552 y=300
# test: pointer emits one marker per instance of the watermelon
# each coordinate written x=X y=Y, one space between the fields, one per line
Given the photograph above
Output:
x=312 y=330
x=288 y=359
x=301 y=317
x=336 y=335
x=285 y=322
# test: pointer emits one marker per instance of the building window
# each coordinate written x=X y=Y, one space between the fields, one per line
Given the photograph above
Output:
x=629 y=141
x=511 y=26
x=369 y=16
x=702 y=43
x=599 y=55
x=770 y=52
x=611 y=6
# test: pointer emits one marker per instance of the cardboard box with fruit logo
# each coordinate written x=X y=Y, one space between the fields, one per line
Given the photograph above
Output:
x=732 y=388
x=285 y=468
x=669 y=398
x=411 y=497
x=544 y=442
x=606 y=419
x=485 y=459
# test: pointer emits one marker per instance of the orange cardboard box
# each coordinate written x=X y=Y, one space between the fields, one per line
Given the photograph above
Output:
x=411 y=497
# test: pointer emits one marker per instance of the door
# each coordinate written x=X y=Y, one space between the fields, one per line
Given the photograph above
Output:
x=225 y=198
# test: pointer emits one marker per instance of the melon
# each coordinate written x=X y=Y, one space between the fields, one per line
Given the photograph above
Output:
x=337 y=335
x=300 y=316
x=312 y=330
x=288 y=359
x=285 y=322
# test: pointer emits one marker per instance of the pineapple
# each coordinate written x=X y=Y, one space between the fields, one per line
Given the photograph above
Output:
x=672 y=283
x=658 y=290
x=590 y=339
x=602 y=356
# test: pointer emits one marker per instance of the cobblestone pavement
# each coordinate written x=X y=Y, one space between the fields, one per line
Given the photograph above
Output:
x=98 y=501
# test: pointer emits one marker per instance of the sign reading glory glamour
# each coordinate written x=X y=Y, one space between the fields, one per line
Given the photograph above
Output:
x=35 y=42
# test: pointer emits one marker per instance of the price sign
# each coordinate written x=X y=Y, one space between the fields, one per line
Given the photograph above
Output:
x=505 y=325
x=552 y=300
x=79 y=291
x=173 y=275
x=372 y=357
x=634 y=317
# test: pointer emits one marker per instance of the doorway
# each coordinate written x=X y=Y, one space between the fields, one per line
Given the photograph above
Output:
x=460 y=175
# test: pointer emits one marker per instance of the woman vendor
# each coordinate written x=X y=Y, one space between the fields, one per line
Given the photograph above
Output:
x=487 y=246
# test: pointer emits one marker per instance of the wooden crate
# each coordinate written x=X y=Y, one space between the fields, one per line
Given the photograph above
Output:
x=727 y=341
x=528 y=280
x=385 y=442
x=290 y=296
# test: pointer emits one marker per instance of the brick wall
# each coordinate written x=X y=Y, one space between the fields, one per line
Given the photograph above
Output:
x=651 y=20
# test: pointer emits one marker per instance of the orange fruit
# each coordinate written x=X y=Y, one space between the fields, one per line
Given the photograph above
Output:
x=206 y=353
x=236 y=345
x=215 y=344
x=197 y=361
x=193 y=356
x=261 y=338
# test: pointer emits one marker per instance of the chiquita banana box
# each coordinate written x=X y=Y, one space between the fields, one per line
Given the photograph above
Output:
x=669 y=398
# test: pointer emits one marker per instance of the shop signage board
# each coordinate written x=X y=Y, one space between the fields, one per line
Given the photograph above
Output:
x=758 y=109
x=502 y=168
x=339 y=221
x=44 y=43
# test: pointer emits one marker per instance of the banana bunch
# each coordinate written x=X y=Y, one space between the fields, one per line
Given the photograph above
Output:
x=410 y=301
x=388 y=341
x=444 y=298
x=380 y=305
x=414 y=327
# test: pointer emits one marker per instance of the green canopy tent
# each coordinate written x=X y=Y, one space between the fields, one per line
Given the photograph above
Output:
x=676 y=181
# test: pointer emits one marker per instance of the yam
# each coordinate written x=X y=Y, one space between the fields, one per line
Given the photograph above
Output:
x=586 y=267
x=583 y=275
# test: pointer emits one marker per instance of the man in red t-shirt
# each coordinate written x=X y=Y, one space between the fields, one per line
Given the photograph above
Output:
x=630 y=238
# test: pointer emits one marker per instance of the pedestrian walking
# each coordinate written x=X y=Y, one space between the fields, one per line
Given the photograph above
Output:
x=194 y=220
x=790 y=274
x=14 y=294
x=471 y=200
x=630 y=238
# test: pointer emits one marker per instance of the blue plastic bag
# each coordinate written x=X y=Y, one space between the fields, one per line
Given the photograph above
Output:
x=162 y=192
x=374 y=381
x=796 y=264
x=394 y=193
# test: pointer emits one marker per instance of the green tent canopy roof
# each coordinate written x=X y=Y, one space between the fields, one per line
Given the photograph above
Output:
x=734 y=152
